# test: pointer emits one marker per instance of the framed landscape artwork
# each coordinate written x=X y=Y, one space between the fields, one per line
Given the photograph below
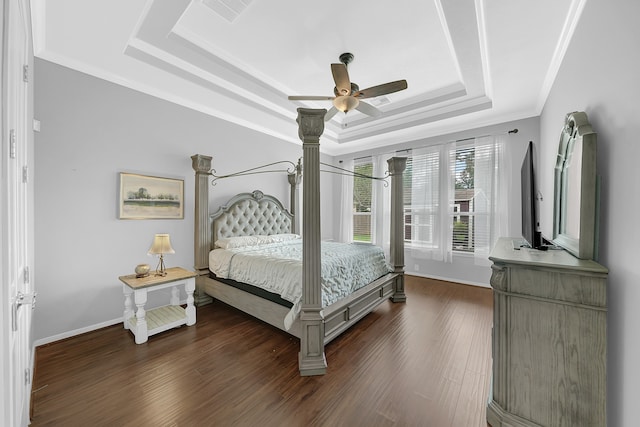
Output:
x=150 y=197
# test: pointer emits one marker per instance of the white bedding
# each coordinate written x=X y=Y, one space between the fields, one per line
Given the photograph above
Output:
x=277 y=268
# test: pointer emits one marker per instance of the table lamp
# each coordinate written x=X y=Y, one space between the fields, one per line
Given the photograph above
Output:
x=161 y=245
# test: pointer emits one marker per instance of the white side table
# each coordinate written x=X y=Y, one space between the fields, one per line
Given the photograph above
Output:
x=146 y=323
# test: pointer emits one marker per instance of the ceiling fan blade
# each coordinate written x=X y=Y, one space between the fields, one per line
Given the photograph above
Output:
x=329 y=114
x=310 y=98
x=341 y=77
x=382 y=89
x=368 y=109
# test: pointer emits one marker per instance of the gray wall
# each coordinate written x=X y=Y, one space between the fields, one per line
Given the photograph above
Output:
x=91 y=131
x=599 y=75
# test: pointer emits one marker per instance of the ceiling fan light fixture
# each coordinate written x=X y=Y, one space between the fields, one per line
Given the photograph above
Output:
x=346 y=103
x=348 y=94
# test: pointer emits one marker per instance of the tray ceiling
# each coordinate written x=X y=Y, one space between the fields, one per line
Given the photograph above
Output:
x=468 y=63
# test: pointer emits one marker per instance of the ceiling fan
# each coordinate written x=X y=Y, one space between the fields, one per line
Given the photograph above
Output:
x=348 y=94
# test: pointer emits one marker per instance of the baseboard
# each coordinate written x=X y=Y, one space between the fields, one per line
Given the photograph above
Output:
x=447 y=279
x=69 y=334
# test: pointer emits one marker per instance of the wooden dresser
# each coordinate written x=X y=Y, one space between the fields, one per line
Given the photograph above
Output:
x=549 y=339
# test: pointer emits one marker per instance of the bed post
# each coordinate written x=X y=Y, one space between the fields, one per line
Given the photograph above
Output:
x=294 y=181
x=202 y=232
x=311 y=360
x=397 y=166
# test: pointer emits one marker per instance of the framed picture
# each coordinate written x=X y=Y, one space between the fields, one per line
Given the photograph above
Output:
x=150 y=197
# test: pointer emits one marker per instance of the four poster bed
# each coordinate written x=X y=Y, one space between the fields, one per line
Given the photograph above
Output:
x=252 y=225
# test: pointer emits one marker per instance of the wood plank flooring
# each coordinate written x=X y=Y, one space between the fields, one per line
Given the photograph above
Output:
x=423 y=363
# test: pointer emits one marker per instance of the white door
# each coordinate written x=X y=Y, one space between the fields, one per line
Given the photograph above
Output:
x=16 y=215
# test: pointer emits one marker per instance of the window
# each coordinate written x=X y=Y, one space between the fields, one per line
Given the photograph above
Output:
x=463 y=230
x=451 y=198
x=362 y=191
x=422 y=197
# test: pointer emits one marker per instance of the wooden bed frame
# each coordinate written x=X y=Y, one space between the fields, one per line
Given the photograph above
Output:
x=315 y=326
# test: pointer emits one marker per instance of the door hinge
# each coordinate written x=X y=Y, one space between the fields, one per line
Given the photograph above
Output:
x=25 y=73
x=12 y=143
x=27 y=274
x=25 y=174
x=27 y=376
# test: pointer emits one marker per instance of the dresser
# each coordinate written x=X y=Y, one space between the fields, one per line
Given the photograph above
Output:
x=549 y=339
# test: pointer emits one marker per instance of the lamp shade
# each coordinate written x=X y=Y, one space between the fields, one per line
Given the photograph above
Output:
x=161 y=245
x=345 y=103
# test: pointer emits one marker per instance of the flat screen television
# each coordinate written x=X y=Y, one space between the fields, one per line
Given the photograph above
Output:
x=530 y=233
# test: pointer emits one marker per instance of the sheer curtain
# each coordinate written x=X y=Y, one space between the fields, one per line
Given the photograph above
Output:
x=431 y=190
x=491 y=203
x=431 y=171
x=381 y=204
x=346 y=205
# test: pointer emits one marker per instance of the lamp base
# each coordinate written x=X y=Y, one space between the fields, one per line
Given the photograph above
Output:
x=160 y=269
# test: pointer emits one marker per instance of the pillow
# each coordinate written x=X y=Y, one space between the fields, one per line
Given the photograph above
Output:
x=242 y=241
x=236 y=242
x=282 y=237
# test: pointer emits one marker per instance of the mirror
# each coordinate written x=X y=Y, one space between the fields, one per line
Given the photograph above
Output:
x=575 y=203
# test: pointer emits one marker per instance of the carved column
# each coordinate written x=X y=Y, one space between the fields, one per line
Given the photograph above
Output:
x=397 y=166
x=202 y=235
x=311 y=358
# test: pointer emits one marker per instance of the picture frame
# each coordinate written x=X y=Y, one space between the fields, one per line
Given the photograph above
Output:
x=150 y=197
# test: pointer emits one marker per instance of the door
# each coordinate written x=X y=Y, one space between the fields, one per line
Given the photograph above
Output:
x=16 y=214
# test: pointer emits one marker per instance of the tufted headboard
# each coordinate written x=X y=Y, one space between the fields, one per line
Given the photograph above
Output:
x=250 y=214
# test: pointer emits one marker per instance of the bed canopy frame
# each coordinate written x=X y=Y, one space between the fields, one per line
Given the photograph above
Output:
x=316 y=325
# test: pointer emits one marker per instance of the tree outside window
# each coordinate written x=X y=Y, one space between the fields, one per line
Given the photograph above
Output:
x=464 y=198
x=362 y=190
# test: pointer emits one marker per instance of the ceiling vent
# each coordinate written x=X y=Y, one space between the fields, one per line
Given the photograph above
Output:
x=381 y=100
x=228 y=9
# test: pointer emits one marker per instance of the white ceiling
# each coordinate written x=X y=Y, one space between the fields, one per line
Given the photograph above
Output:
x=468 y=63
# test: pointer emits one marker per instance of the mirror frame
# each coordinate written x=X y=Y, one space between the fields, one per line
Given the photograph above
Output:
x=576 y=131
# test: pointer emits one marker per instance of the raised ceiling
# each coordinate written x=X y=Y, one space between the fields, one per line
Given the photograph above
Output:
x=468 y=63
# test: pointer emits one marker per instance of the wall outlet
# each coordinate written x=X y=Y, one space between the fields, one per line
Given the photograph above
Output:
x=416 y=267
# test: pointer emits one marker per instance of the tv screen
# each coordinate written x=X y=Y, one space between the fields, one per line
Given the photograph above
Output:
x=530 y=231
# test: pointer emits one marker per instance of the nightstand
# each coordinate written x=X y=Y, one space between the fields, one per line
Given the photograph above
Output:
x=146 y=323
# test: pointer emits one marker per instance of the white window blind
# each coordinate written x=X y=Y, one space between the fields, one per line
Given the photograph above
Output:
x=426 y=203
x=455 y=198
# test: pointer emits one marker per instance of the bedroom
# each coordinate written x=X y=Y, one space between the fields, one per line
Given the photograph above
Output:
x=104 y=128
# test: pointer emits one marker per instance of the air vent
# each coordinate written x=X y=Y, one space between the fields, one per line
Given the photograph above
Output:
x=228 y=9
x=378 y=101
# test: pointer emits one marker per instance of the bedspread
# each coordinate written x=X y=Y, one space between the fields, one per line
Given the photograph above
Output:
x=277 y=268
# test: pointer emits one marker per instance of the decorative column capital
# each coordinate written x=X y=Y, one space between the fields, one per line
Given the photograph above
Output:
x=295 y=178
x=310 y=124
x=201 y=163
x=397 y=165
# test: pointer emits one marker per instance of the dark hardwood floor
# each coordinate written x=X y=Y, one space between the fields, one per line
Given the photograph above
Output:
x=423 y=363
